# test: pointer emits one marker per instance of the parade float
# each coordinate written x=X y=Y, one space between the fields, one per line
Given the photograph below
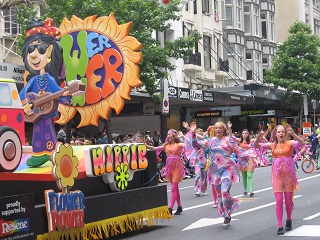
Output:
x=52 y=190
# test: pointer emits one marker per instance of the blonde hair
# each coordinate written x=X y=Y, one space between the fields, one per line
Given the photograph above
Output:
x=211 y=132
x=199 y=131
x=273 y=137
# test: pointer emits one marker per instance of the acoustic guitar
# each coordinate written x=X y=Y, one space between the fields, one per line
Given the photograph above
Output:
x=46 y=103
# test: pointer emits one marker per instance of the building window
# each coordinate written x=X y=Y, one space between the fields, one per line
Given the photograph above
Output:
x=271 y=26
x=240 y=70
x=249 y=75
x=256 y=20
x=10 y=21
x=258 y=65
x=248 y=55
x=316 y=26
x=186 y=6
x=235 y=58
x=264 y=26
x=229 y=16
x=239 y=14
x=207 y=51
x=222 y=13
x=195 y=11
x=264 y=71
x=206 y=8
x=265 y=60
x=247 y=19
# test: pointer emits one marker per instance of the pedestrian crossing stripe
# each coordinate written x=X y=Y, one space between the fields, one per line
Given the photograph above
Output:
x=304 y=231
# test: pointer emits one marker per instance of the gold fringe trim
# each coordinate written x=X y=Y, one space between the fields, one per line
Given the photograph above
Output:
x=110 y=227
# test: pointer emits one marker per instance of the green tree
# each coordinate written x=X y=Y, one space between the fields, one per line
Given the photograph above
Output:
x=297 y=65
x=148 y=17
x=5 y=4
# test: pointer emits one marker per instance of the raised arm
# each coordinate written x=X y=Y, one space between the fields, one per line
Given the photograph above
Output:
x=295 y=136
x=258 y=139
x=186 y=125
x=229 y=125
x=265 y=135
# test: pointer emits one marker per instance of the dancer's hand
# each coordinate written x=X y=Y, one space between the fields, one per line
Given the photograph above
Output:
x=229 y=124
x=186 y=125
x=193 y=126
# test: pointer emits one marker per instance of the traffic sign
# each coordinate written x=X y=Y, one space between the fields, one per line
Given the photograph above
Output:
x=306 y=129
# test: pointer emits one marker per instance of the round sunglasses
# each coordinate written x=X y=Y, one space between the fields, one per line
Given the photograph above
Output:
x=42 y=48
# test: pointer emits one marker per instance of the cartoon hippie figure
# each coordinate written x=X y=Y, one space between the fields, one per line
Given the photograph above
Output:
x=42 y=56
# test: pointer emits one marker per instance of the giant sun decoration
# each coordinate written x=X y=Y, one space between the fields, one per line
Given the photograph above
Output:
x=101 y=54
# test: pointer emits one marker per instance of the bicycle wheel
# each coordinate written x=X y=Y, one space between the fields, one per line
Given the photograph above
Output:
x=307 y=166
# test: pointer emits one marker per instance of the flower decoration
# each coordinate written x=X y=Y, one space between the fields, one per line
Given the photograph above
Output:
x=64 y=166
x=122 y=176
x=4 y=118
x=219 y=160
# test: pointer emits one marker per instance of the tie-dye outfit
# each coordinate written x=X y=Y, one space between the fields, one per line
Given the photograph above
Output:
x=223 y=170
x=198 y=160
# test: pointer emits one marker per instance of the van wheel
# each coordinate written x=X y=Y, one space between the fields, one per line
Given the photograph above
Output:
x=10 y=149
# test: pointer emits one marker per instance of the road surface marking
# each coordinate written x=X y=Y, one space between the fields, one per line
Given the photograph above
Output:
x=204 y=222
x=304 y=231
x=313 y=216
x=212 y=221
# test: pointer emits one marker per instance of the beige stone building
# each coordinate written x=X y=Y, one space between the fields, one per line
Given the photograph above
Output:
x=289 y=11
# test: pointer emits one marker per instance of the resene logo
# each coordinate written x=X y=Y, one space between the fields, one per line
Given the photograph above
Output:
x=10 y=227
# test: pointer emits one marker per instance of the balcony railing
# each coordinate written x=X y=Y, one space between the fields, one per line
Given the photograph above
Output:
x=223 y=65
x=194 y=59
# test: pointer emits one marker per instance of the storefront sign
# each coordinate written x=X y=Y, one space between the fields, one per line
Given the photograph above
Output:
x=229 y=111
x=184 y=93
x=208 y=114
x=207 y=96
x=196 y=95
x=233 y=97
x=252 y=112
x=17 y=218
x=12 y=71
x=148 y=108
x=279 y=113
x=173 y=92
x=271 y=112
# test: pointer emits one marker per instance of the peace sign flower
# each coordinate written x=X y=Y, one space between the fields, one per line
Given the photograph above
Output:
x=64 y=166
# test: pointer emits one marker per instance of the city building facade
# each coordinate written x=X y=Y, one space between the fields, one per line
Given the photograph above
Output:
x=307 y=11
x=222 y=79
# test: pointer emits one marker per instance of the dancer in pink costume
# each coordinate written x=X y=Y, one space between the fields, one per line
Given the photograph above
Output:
x=284 y=179
x=174 y=169
x=200 y=156
x=198 y=161
x=210 y=134
x=222 y=167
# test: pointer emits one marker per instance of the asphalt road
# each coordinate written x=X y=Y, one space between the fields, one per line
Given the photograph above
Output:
x=255 y=219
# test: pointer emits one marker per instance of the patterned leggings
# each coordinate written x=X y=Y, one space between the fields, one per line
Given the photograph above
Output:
x=200 y=182
x=226 y=204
